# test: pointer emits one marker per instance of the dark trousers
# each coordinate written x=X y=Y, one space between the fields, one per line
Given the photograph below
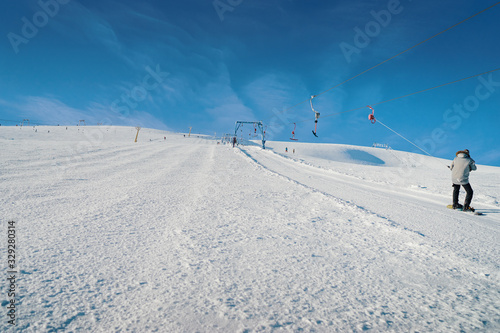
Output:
x=468 y=197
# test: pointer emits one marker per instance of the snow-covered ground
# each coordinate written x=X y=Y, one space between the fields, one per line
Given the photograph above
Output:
x=186 y=235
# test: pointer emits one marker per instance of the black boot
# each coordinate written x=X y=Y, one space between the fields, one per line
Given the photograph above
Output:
x=469 y=209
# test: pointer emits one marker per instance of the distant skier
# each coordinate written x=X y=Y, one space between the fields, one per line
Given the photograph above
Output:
x=460 y=168
x=234 y=141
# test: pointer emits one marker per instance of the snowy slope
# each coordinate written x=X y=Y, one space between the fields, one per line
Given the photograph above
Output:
x=185 y=235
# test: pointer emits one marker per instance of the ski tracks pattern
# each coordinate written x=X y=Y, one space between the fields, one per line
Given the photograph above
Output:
x=189 y=236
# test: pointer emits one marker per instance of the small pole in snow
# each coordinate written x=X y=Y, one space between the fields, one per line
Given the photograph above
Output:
x=137 y=135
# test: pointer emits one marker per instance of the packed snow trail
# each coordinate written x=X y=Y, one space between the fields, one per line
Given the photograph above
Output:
x=421 y=213
x=183 y=235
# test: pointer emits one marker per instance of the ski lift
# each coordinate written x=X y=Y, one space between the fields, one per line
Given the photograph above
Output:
x=371 y=117
x=316 y=117
x=293 y=132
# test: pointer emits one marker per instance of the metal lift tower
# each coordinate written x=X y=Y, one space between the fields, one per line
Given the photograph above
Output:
x=256 y=124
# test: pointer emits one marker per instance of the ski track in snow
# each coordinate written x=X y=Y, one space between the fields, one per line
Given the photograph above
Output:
x=183 y=235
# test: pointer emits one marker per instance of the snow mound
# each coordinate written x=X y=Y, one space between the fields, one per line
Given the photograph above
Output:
x=362 y=157
x=345 y=153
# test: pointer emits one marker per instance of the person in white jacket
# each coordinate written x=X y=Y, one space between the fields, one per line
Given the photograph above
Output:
x=460 y=168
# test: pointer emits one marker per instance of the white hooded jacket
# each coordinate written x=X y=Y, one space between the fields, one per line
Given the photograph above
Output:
x=461 y=166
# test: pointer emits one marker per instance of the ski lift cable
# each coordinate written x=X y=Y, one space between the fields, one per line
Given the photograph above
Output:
x=420 y=91
x=397 y=55
x=407 y=95
x=371 y=117
x=393 y=131
x=373 y=120
x=410 y=48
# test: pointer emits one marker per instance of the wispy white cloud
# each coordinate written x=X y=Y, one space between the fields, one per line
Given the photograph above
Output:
x=220 y=103
x=139 y=36
x=51 y=111
x=275 y=91
x=46 y=111
x=77 y=22
x=272 y=95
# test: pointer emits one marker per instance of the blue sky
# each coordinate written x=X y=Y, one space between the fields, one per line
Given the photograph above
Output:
x=206 y=64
